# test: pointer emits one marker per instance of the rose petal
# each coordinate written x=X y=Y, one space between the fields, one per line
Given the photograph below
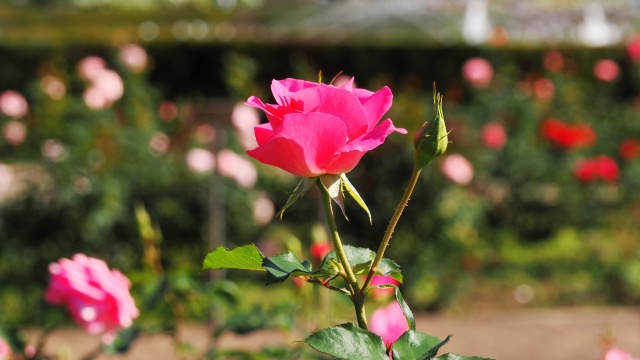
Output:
x=303 y=143
x=338 y=102
x=375 y=104
x=349 y=156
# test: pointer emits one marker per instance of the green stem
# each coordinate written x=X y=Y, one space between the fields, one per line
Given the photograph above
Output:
x=352 y=282
x=392 y=225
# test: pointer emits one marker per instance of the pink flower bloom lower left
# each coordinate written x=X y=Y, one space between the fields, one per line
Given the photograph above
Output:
x=97 y=297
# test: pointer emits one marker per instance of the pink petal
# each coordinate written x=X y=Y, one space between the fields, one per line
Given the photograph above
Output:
x=283 y=89
x=303 y=143
x=349 y=156
x=274 y=112
x=375 y=104
x=263 y=133
x=348 y=85
x=338 y=102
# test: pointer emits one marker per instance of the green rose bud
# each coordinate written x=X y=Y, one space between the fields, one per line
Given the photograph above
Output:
x=432 y=138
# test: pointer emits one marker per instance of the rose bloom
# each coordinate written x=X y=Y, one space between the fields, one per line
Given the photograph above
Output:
x=477 y=72
x=98 y=298
x=383 y=280
x=494 y=136
x=617 y=354
x=236 y=167
x=597 y=168
x=316 y=129
x=566 y=135
x=201 y=160
x=319 y=249
x=553 y=60
x=457 y=169
x=134 y=57
x=544 y=89
x=606 y=70
x=90 y=66
x=629 y=149
x=14 y=132
x=5 y=350
x=389 y=323
x=13 y=104
x=633 y=47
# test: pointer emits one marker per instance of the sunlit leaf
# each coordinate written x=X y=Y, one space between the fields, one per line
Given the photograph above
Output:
x=413 y=345
x=347 y=341
x=408 y=314
x=246 y=257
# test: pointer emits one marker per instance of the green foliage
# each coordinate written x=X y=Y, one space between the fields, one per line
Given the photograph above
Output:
x=413 y=345
x=246 y=257
x=348 y=341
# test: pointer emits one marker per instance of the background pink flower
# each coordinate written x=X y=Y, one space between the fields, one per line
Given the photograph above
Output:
x=389 y=323
x=13 y=104
x=98 y=298
x=477 y=72
x=383 y=280
x=5 y=350
x=201 y=160
x=15 y=132
x=606 y=70
x=134 y=57
x=319 y=249
x=90 y=66
x=494 y=136
x=617 y=354
x=457 y=169
x=236 y=167
x=316 y=129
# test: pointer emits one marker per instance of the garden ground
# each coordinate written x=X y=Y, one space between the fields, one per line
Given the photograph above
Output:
x=550 y=334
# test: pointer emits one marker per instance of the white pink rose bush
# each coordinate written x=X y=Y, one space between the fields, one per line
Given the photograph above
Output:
x=320 y=132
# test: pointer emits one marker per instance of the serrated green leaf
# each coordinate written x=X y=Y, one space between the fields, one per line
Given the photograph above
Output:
x=408 y=314
x=347 y=341
x=449 y=356
x=351 y=190
x=360 y=260
x=246 y=257
x=332 y=184
x=280 y=266
x=303 y=186
x=413 y=345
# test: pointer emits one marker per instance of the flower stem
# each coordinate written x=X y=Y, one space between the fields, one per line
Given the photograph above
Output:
x=354 y=289
x=392 y=225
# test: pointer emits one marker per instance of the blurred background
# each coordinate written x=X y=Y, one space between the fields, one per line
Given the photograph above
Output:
x=124 y=137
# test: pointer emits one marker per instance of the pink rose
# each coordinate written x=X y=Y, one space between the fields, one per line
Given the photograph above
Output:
x=97 y=298
x=389 y=323
x=134 y=57
x=494 y=136
x=457 y=169
x=477 y=72
x=617 y=354
x=316 y=129
x=5 y=350
x=383 y=280
x=606 y=70
x=13 y=104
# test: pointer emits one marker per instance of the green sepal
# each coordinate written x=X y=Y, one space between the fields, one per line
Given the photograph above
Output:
x=333 y=185
x=346 y=185
x=246 y=257
x=303 y=186
x=413 y=345
x=348 y=341
x=360 y=260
